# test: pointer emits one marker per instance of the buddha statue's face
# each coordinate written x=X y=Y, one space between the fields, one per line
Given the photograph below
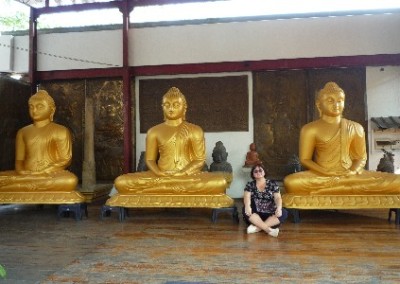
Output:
x=219 y=156
x=40 y=109
x=173 y=107
x=331 y=104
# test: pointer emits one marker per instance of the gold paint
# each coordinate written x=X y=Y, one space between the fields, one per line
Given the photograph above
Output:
x=41 y=197
x=340 y=202
x=175 y=156
x=179 y=201
x=43 y=151
x=334 y=152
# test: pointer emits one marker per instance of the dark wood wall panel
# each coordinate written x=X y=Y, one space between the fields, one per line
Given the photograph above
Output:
x=280 y=110
x=285 y=100
x=109 y=128
x=216 y=104
x=14 y=114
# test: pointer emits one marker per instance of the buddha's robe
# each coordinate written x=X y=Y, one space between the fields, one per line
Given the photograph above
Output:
x=175 y=154
x=336 y=155
x=46 y=152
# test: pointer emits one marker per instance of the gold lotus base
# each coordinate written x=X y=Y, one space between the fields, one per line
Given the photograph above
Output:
x=175 y=201
x=41 y=197
x=340 y=201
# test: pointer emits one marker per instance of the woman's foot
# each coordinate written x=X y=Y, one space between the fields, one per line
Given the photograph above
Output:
x=251 y=229
x=273 y=232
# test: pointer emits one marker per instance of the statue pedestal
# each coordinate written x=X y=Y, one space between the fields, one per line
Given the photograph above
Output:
x=218 y=202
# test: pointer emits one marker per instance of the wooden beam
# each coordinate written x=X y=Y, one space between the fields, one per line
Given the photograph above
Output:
x=218 y=67
x=279 y=64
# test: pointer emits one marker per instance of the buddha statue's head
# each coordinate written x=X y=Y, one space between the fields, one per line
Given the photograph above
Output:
x=44 y=98
x=174 y=104
x=219 y=153
x=330 y=94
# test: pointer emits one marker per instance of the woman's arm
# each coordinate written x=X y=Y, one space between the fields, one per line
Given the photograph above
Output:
x=247 y=203
x=278 y=203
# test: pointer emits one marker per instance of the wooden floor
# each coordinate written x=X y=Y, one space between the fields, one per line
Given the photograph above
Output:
x=184 y=246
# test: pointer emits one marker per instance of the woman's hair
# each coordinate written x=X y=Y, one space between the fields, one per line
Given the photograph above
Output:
x=257 y=166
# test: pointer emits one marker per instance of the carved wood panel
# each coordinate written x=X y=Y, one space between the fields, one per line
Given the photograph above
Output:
x=280 y=110
x=14 y=114
x=109 y=127
x=214 y=103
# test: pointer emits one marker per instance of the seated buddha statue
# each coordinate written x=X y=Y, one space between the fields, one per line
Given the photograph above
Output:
x=220 y=156
x=175 y=156
x=252 y=157
x=333 y=151
x=43 y=151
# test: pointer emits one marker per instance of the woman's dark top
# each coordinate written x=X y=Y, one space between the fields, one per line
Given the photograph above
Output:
x=262 y=201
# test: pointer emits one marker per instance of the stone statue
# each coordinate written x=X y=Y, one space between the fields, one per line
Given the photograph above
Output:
x=252 y=157
x=141 y=167
x=294 y=164
x=43 y=152
x=333 y=150
x=386 y=163
x=175 y=156
x=220 y=156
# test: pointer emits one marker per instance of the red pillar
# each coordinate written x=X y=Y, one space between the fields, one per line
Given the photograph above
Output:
x=126 y=8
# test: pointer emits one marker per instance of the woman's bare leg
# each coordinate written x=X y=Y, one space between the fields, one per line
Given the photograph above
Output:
x=264 y=225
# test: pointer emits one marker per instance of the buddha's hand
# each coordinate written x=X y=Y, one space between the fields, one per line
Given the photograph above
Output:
x=248 y=211
x=335 y=173
x=347 y=173
x=161 y=174
x=181 y=173
x=24 y=172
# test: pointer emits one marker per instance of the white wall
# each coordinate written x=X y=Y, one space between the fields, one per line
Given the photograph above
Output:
x=276 y=39
x=241 y=41
x=6 y=50
x=236 y=143
x=383 y=99
x=100 y=49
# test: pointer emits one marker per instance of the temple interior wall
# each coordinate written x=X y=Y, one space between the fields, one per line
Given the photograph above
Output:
x=224 y=42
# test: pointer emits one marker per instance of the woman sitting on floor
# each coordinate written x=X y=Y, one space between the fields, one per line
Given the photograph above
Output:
x=262 y=209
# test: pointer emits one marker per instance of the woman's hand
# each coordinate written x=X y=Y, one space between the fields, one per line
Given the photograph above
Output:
x=278 y=212
x=248 y=211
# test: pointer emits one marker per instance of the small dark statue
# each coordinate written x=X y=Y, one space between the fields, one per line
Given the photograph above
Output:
x=141 y=167
x=220 y=156
x=386 y=163
x=294 y=165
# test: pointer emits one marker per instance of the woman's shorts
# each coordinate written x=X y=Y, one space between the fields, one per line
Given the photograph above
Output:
x=264 y=216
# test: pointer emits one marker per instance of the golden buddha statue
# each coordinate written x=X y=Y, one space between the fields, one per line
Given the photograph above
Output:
x=175 y=156
x=333 y=150
x=43 y=151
